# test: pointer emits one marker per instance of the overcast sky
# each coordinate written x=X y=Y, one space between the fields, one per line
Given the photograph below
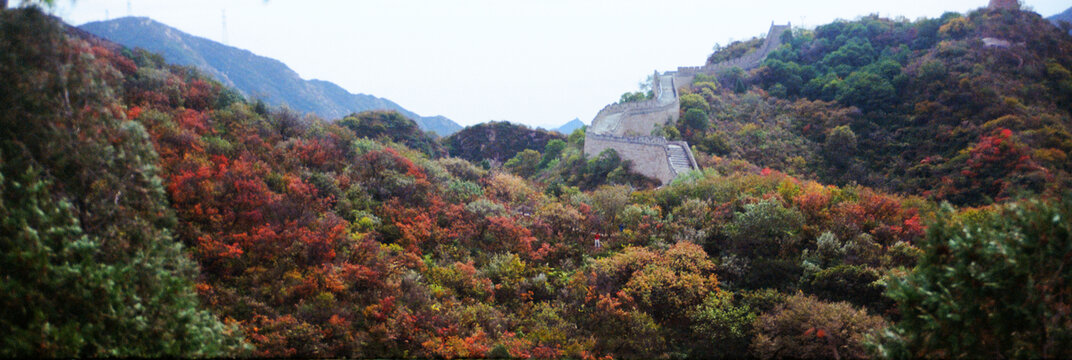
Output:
x=538 y=62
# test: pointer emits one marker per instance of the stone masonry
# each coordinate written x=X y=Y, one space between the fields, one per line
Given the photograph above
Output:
x=749 y=61
x=640 y=118
x=652 y=156
x=626 y=127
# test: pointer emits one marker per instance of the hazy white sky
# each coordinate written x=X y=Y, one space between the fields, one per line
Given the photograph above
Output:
x=538 y=62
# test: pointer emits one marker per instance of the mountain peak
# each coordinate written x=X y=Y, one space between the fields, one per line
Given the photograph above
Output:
x=570 y=126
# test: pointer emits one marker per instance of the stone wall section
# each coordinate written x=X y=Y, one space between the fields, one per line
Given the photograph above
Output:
x=641 y=117
x=625 y=127
x=634 y=119
x=648 y=153
x=684 y=75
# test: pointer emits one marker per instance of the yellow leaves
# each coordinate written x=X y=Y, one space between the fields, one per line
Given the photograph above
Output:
x=292 y=275
x=1014 y=103
x=1052 y=156
x=560 y=215
x=956 y=28
x=510 y=188
x=675 y=279
x=788 y=188
x=750 y=129
x=1013 y=122
x=926 y=107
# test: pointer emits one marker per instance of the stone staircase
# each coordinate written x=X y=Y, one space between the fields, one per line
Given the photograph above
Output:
x=623 y=127
x=679 y=159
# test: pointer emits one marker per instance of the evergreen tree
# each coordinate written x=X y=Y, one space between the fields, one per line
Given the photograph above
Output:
x=989 y=285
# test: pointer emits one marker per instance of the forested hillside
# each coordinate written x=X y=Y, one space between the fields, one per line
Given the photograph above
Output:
x=149 y=211
x=972 y=109
x=496 y=141
x=256 y=76
x=91 y=263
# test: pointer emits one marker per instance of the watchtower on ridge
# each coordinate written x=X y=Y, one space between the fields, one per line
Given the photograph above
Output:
x=1004 y=5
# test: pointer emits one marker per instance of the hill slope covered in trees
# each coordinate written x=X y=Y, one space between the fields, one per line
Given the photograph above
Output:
x=149 y=211
x=971 y=109
x=255 y=76
x=496 y=141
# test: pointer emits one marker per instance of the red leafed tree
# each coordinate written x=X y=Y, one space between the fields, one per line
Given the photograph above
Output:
x=993 y=169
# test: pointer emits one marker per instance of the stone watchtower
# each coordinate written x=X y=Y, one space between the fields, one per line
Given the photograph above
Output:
x=1004 y=5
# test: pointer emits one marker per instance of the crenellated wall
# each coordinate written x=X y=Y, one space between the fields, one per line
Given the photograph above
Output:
x=625 y=127
x=634 y=119
x=684 y=75
x=641 y=117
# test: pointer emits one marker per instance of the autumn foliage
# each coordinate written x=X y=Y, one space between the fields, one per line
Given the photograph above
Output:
x=361 y=238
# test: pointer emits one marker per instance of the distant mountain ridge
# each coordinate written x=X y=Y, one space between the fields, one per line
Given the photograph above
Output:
x=255 y=76
x=1063 y=16
x=568 y=128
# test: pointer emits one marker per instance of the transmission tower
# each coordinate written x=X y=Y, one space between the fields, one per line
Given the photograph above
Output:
x=223 y=14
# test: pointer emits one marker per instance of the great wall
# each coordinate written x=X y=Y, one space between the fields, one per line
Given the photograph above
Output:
x=626 y=127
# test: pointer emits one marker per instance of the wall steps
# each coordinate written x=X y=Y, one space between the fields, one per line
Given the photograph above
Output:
x=617 y=126
x=679 y=159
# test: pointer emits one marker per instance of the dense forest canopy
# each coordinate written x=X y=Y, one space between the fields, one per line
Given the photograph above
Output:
x=971 y=109
x=497 y=141
x=878 y=188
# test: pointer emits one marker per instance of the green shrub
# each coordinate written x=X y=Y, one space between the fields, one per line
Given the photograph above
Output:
x=995 y=285
x=721 y=328
x=806 y=328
